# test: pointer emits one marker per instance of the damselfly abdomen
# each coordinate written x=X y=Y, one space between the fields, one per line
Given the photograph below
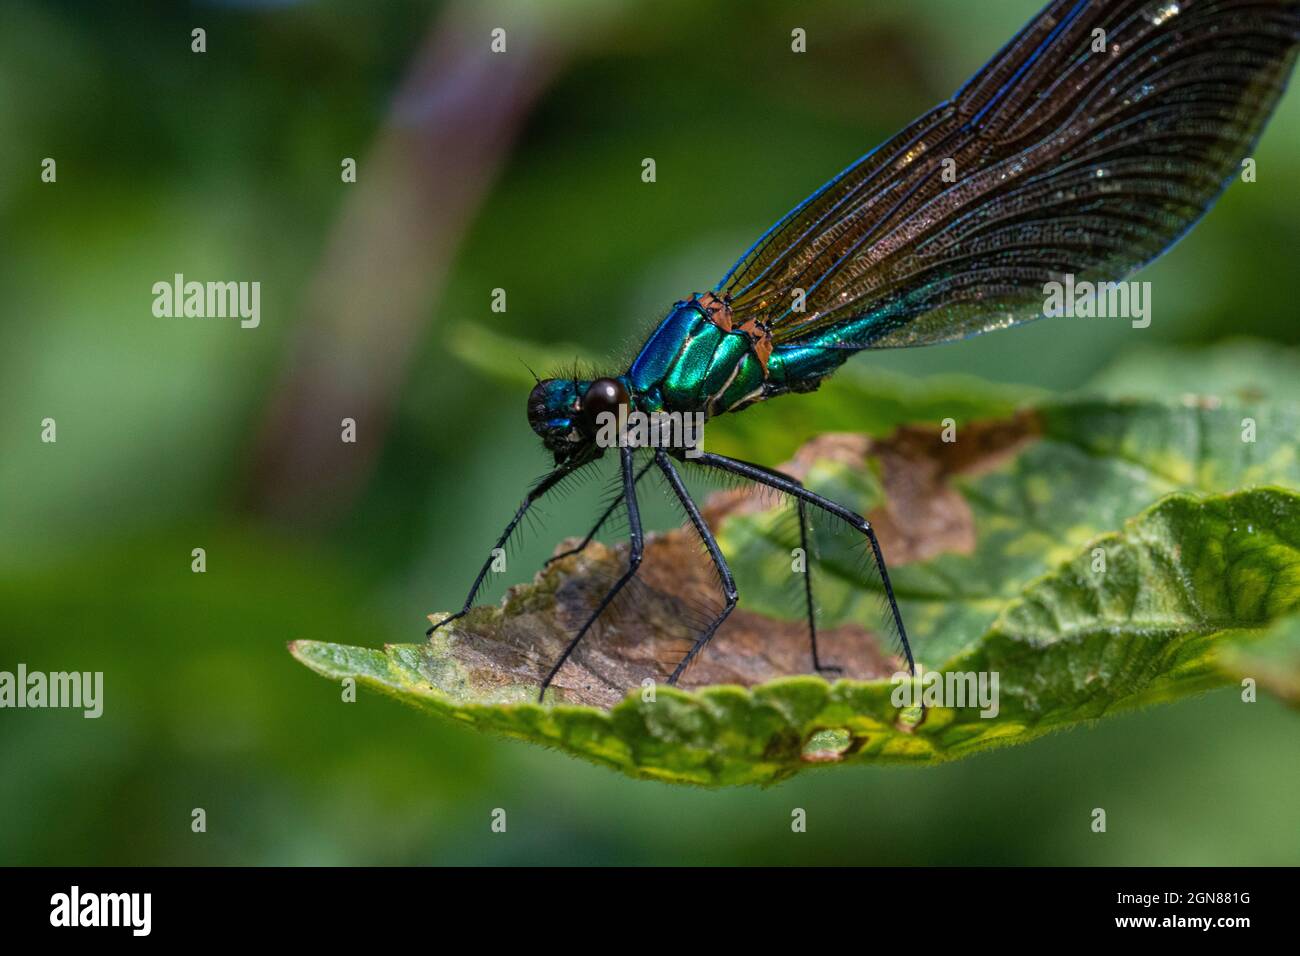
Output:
x=1086 y=148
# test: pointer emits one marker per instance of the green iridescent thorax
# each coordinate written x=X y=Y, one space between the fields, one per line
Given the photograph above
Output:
x=693 y=364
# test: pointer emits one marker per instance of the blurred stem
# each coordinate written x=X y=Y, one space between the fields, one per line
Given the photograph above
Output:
x=446 y=137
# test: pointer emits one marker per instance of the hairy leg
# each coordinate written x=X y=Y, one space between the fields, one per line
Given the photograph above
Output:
x=767 y=477
x=724 y=572
x=600 y=523
x=540 y=488
x=637 y=545
x=809 y=605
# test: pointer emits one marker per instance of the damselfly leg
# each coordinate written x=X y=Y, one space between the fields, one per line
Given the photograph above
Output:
x=724 y=573
x=795 y=489
x=600 y=522
x=631 y=476
x=636 y=546
x=808 y=589
x=536 y=492
x=810 y=606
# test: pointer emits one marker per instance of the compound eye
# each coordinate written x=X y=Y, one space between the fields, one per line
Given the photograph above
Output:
x=602 y=395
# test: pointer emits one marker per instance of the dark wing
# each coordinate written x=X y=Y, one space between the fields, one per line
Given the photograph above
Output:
x=1063 y=160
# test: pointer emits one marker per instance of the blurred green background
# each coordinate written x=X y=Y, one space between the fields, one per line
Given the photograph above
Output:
x=518 y=171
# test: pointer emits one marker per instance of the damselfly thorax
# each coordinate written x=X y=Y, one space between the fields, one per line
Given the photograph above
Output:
x=703 y=357
x=700 y=359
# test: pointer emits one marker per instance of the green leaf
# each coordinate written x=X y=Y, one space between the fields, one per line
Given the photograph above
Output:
x=512 y=361
x=1182 y=577
x=1240 y=368
x=1272 y=661
x=966 y=525
x=1096 y=554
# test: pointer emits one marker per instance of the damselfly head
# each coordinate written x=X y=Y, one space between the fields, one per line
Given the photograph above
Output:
x=566 y=412
x=553 y=414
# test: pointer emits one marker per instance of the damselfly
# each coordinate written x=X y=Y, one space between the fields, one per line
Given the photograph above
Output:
x=1085 y=148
